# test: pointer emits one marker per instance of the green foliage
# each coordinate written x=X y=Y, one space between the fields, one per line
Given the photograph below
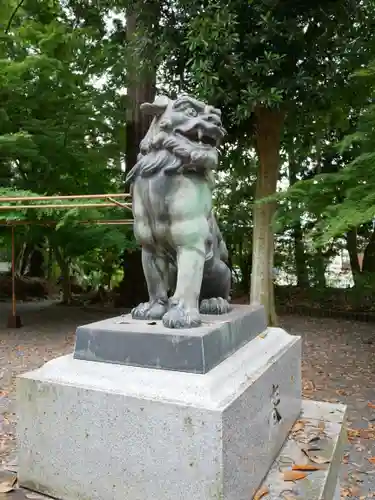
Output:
x=61 y=125
x=63 y=70
x=344 y=197
x=239 y=54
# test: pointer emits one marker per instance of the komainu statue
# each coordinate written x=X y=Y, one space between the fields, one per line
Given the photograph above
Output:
x=183 y=251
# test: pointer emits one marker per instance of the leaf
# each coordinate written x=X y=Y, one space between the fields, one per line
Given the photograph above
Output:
x=313 y=438
x=371 y=405
x=322 y=426
x=299 y=425
x=8 y=485
x=261 y=493
x=318 y=459
x=305 y=467
x=371 y=460
x=293 y=475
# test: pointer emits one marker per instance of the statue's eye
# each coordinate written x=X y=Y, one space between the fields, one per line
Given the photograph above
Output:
x=191 y=112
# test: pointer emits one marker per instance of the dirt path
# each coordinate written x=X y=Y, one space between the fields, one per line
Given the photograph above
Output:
x=338 y=366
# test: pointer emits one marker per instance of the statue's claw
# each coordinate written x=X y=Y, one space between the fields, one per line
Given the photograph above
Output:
x=149 y=310
x=215 y=305
x=180 y=316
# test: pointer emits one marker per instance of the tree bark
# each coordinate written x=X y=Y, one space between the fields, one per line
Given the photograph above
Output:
x=269 y=125
x=368 y=265
x=141 y=88
x=299 y=246
x=36 y=265
x=65 y=274
x=300 y=257
x=319 y=270
x=24 y=258
x=351 y=246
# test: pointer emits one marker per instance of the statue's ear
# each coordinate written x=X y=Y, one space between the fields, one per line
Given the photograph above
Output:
x=157 y=107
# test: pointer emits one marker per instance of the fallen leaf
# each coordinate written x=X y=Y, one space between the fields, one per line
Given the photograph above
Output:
x=307 y=451
x=305 y=467
x=372 y=460
x=364 y=434
x=341 y=392
x=313 y=438
x=352 y=434
x=261 y=493
x=345 y=492
x=318 y=459
x=293 y=475
x=8 y=485
x=299 y=425
x=308 y=386
x=371 y=405
x=322 y=426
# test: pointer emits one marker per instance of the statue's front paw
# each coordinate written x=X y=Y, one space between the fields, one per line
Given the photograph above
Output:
x=180 y=316
x=149 y=310
x=215 y=305
x=141 y=310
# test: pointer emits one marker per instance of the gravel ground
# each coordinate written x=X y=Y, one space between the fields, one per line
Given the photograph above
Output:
x=338 y=366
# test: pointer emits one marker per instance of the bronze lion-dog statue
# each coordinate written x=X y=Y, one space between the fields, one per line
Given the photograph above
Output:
x=183 y=251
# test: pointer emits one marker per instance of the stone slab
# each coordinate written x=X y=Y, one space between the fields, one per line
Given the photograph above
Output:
x=326 y=424
x=102 y=431
x=123 y=340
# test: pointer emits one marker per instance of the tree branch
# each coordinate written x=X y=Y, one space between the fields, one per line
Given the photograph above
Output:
x=19 y=5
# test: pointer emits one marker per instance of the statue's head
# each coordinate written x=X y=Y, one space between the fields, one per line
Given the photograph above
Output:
x=183 y=137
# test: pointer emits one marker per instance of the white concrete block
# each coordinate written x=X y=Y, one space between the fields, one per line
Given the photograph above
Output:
x=96 y=431
x=326 y=424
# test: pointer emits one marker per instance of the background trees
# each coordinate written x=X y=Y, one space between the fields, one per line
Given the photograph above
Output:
x=73 y=75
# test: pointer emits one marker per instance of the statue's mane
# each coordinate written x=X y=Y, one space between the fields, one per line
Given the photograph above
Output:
x=168 y=154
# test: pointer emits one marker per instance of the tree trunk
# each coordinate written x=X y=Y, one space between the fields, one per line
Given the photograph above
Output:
x=24 y=257
x=141 y=88
x=66 y=284
x=319 y=270
x=269 y=125
x=133 y=289
x=368 y=265
x=300 y=257
x=299 y=246
x=36 y=265
x=351 y=246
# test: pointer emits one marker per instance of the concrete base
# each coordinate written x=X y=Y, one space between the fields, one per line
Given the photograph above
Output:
x=101 y=431
x=149 y=344
x=321 y=428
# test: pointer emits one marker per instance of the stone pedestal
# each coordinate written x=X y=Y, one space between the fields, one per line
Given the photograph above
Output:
x=324 y=423
x=108 y=431
x=204 y=420
x=149 y=344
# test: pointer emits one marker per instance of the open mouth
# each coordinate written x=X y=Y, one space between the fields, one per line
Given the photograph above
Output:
x=198 y=135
